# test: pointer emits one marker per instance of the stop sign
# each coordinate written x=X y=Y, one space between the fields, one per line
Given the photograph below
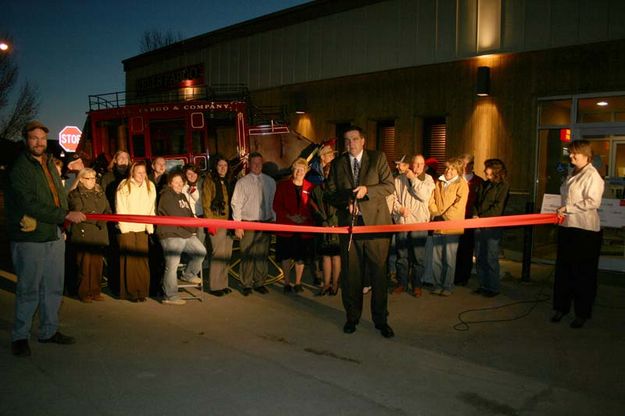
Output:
x=69 y=138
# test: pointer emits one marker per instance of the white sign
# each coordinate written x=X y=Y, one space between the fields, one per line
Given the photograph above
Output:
x=611 y=212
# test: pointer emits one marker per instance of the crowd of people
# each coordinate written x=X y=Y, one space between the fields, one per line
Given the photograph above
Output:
x=352 y=189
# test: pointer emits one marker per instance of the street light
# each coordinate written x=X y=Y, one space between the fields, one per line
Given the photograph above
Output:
x=4 y=46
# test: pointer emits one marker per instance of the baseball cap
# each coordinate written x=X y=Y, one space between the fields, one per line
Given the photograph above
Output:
x=34 y=124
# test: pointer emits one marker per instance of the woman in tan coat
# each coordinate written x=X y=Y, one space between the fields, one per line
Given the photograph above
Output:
x=448 y=203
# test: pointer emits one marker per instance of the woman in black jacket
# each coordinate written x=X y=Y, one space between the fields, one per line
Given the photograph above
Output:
x=491 y=198
x=89 y=238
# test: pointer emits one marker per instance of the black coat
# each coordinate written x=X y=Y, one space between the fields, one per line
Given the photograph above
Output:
x=89 y=233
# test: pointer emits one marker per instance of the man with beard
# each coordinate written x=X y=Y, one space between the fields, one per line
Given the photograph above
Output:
x=118 y=171
x=36 y=207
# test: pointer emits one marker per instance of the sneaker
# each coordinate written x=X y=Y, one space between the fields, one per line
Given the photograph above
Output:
x=194 y=280
x=58 y=338
x=445 y=292
x=366 y=290
x=436 y=291
x=174 y=301
x=20 y=348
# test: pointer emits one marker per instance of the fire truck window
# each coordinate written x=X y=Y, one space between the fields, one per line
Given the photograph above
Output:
x=197 y=142
x=138 y=145
x=167 y=137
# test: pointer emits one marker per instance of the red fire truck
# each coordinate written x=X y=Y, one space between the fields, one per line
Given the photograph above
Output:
x=185 y=127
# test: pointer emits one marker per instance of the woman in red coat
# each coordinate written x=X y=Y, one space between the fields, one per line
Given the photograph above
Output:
x=292 y=206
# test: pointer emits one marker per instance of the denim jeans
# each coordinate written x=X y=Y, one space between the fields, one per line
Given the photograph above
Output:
x=427 y=272
x=445 y=247
x=487 y=242
x=411 y=258
x=173 y=248
x=40 y=270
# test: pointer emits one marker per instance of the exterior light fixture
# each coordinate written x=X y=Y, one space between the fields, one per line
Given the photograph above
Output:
x=4 y=46
x=602 y=103
x=299 y=102
x=482 y=88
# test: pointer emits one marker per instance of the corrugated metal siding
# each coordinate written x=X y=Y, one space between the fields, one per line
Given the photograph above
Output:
x=400 y=33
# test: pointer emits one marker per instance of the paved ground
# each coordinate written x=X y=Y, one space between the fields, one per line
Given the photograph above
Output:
x=279 y=355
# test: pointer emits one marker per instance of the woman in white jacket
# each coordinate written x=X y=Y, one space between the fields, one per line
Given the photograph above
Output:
x=135 y=195
x=579 y=237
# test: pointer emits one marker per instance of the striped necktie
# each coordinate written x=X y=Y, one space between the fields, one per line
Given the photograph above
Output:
x=356 y=171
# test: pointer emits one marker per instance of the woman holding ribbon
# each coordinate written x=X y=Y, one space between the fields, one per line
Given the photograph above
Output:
x=136 y=195
x=579 y=237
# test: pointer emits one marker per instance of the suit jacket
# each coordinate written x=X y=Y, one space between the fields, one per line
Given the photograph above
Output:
x=374 y=174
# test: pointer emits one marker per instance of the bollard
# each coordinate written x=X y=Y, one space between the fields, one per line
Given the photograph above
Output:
x=528 y=234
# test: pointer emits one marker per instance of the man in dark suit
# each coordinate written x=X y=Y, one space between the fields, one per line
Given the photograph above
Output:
x=359 y=182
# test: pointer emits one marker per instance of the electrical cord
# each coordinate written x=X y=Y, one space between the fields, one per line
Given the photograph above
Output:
x=463 y=324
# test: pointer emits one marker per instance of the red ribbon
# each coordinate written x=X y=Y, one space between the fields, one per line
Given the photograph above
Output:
x=504 y=221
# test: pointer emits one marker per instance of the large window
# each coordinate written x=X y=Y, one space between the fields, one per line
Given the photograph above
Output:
x=386 y=140
x=167 y=137
x=435 y=140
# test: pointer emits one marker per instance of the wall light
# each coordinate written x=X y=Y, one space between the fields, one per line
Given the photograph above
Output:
x=483 y=81
x=602 y=103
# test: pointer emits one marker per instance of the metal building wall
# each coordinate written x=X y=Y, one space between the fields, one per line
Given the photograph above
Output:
x=396 y=34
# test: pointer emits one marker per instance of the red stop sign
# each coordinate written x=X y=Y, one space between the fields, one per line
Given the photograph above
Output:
x=69 y=138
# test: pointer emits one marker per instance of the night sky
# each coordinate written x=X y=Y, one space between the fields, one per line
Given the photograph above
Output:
x=70 y=49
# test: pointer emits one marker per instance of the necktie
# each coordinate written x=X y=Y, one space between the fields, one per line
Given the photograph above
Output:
x=356 y=171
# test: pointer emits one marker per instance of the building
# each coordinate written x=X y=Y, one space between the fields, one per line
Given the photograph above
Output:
x=514 y=79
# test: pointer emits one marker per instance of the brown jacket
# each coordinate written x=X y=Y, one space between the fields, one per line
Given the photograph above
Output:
x=448 y=203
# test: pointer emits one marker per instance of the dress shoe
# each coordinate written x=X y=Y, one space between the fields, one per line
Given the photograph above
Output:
x=324 y=291
x=489 y=293
x=261 y=289
x=333 y=291
x=141 y=300
x=557 y=317
x=287 y=289
x=578 y=322
x=226 y=290
x=398 y=290
x=58 y=338
x=349 y=327
x=20 y=348
x=298 y=288
x=246 y=291
x=385 y=330
x=417 y=292
x=217 y=293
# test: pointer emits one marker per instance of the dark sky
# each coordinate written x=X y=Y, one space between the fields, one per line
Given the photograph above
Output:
x=70 y=49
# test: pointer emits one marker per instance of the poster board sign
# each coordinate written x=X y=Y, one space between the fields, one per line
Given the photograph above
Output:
x=611 y=212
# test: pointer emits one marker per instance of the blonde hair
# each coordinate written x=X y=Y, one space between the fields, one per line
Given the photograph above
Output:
x=131 y=173
x=456 y=163
x=84 y=172
x=300 y=161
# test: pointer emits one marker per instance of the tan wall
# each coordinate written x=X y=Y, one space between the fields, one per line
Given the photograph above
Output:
x=502 y=125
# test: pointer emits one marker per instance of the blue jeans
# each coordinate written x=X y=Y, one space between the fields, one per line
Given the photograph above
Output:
x=445 y=247
x=173 y=248
x=427 y=273
x=411 y=258
x=40 y=270
x=487 y=247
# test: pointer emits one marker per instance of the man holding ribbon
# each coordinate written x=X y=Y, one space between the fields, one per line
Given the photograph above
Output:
x=359 y=182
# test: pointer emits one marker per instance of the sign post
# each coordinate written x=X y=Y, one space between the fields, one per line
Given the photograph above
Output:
x=69 y=138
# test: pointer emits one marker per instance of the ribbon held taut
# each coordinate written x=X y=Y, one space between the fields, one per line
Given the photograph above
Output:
x=504 y=221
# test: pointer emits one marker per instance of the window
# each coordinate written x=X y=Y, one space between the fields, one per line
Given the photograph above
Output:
x=167 y=137
x=555 y=113
x=435 y=140
x=386 y=139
